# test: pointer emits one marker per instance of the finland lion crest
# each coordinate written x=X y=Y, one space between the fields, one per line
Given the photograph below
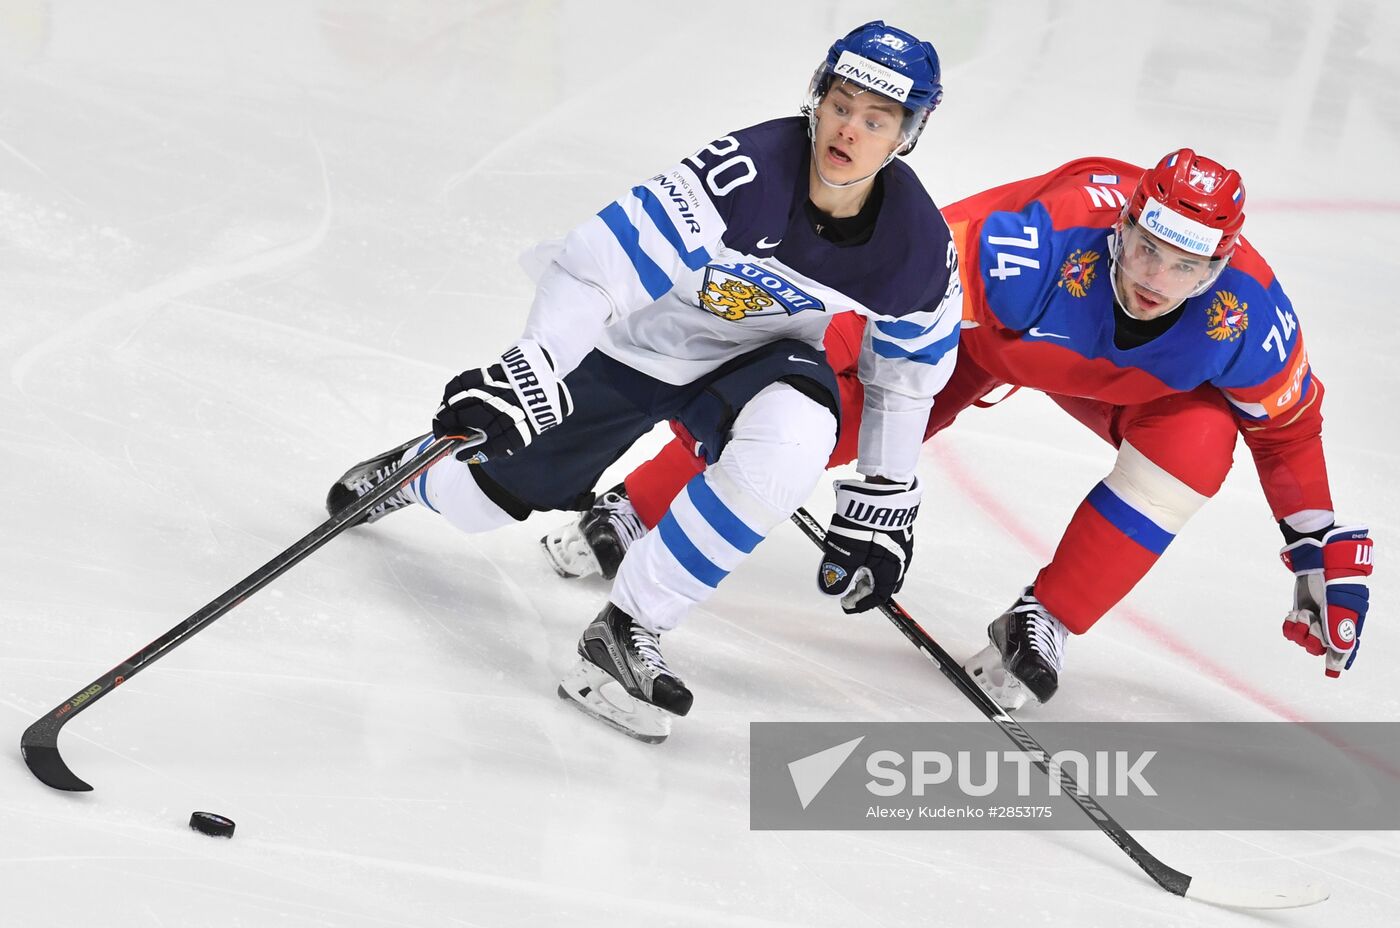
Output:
x=738 y=290
x=832 y=574
x=734 y=299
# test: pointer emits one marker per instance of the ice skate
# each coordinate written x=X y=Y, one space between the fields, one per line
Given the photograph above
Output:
x=596 y=541
x=1025 y=656
x=364 y=477
x=623 y=680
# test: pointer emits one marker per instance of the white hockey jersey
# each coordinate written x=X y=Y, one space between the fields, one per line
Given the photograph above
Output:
x=716 y=256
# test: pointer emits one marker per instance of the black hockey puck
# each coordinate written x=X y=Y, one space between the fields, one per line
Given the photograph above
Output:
x=207 y=823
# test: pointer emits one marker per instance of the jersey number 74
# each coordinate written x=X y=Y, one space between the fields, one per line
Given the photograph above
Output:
x=1009 y=264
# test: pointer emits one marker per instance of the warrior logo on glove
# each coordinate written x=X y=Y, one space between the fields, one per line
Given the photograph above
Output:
x=870 y=542
x=511 y=402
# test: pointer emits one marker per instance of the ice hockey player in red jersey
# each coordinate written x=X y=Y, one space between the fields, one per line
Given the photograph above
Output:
x=1131 y=300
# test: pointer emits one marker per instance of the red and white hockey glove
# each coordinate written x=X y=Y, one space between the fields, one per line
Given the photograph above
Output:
x=1330 y=596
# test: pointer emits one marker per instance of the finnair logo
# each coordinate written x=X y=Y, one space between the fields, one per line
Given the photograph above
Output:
x=875 y=76
x=680 y=194
x=1176 y=229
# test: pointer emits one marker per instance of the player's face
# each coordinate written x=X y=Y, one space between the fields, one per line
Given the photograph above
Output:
x=1153 y=277
x=856 y=131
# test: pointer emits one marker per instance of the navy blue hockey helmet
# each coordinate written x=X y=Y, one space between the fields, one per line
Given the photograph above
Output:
x=914 y=61
x=887 y=61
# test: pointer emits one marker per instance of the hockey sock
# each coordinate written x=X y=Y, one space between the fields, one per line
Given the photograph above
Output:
x=777 y=452
x=653 y=485
x=1115 y=537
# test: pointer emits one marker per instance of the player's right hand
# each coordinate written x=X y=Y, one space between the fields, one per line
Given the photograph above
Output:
x=1330 y=594
x=870 y=542
x=511 y=402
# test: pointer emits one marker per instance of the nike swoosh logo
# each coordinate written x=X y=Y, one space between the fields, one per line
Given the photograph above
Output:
x=793 y=357
x=764 y=243
x=1036 y=333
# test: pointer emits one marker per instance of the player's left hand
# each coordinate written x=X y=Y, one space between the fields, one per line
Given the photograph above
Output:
x=1330 y=595
x=870 y=542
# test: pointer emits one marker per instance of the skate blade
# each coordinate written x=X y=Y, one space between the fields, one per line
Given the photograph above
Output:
x=986 y=668
x=569 y=563
x=594 y=692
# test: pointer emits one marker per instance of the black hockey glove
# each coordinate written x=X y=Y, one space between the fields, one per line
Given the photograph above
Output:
x=870 y=542
x=511 y=402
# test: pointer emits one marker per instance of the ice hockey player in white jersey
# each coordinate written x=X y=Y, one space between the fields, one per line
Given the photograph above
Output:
x=702 y=295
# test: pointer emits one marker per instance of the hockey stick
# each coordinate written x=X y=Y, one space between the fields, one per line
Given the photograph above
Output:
x=1215 y=892
x=39 y=744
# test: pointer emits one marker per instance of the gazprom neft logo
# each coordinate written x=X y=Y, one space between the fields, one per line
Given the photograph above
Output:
x=873 y=75
x=1181 y=231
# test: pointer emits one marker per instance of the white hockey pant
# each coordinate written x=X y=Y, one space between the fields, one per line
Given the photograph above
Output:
x=777 y=451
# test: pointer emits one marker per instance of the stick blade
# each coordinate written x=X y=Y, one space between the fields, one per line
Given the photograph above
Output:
x=39 y=745
x=1233 y=895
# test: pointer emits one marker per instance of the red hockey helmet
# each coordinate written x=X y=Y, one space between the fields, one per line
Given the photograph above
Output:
x=1191 y=202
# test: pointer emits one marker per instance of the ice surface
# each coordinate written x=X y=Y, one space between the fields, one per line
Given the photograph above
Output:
x=243 y=245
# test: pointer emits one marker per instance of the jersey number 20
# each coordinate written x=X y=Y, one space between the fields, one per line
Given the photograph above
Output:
x=740 y=168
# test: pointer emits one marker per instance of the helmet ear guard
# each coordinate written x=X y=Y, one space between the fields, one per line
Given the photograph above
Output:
x=914 y=136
